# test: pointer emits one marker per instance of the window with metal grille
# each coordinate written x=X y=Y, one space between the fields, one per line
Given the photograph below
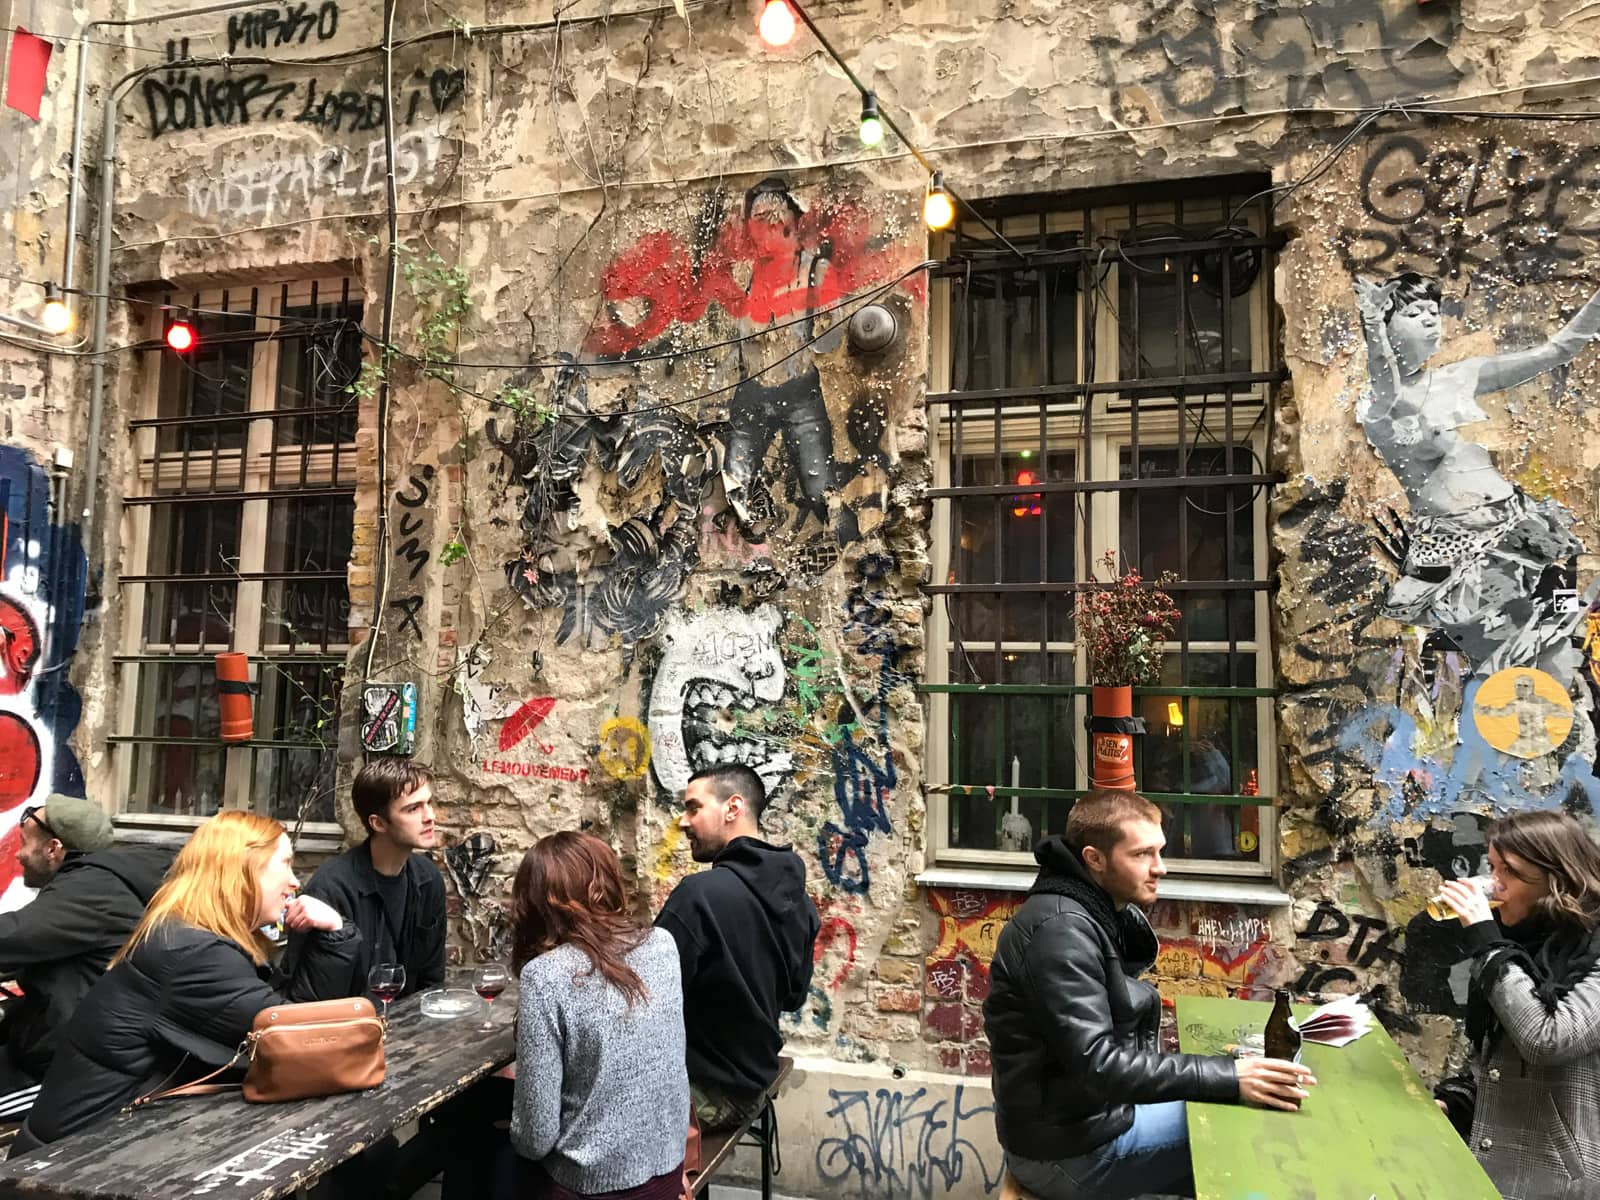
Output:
x=1109 y=390
x=237 y=534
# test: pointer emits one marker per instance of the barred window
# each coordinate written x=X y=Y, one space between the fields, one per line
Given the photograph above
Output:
x=1111 y=391
x=237 y=534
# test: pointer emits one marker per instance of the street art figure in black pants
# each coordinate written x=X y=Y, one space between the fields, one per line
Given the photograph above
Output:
x=779 y=390
x=1480 y=560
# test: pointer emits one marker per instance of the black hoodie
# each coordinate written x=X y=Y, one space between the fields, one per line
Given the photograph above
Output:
x=58 y=944
x=745 y=931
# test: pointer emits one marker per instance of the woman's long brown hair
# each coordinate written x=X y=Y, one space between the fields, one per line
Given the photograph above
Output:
x=1557 y=844
x=569 y=889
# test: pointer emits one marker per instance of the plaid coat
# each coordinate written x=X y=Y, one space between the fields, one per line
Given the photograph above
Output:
x=1536 y=1124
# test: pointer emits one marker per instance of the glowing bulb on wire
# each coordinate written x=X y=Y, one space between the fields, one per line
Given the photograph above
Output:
x=938 y=210
x=777 y=23
x=871 y=122
x=56 y=316
x=180 y=336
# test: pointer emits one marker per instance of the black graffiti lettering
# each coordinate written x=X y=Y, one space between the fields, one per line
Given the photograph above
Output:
x=1384 y=948
x=190 y=102
x=342 y=110
x=1504 y=210
x=1327 y=924
x=410 y=524
x=420 y=485
x=1291 y=54
x=290 y=24
x=409 y=607
x=1315 y=979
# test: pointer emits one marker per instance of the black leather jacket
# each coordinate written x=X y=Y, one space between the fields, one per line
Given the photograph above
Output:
x=1073 y=1032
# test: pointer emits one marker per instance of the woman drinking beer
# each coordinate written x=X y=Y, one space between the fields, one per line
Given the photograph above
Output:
x=1532 y=1099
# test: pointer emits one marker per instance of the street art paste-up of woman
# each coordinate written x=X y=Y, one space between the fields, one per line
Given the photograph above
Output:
x=1480 y=560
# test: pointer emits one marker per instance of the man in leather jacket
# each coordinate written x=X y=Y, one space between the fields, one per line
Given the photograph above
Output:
x=1086 y=1104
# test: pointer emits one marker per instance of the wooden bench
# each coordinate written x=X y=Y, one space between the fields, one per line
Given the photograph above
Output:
x=760 y=1131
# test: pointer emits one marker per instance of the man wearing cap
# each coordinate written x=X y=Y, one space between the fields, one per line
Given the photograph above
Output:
x=91 y=895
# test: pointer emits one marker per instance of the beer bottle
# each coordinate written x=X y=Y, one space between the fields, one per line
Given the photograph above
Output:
x=1282 y=1039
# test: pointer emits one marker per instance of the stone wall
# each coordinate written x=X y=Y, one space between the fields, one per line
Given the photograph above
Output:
x=595 y=585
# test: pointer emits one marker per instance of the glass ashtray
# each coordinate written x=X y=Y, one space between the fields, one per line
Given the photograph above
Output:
x=445 y=1003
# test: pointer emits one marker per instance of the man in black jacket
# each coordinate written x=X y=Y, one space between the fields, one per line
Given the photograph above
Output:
x=1086 y=1104
x=91 y=895
x=745 y=931
x=393 y=894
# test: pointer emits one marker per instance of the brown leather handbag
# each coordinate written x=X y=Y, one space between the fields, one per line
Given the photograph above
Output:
x=297 y=1051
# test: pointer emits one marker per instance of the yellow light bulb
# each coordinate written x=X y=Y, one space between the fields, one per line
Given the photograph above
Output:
x=937 y=211
x=56 y=317
x=1174 y=713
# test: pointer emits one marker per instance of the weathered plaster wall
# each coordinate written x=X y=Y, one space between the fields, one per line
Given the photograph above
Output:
x=590 y=605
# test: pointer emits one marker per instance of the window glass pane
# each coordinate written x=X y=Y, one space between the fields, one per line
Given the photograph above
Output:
x=296 y=784
x=1019 y=328
x=1001 y=739
x=315 y=372
x=192 y=539
x=213 y=379
x=183 y=781
x=1170 y=310
x=178 y=699
x=1186 y=529
x=312 y=535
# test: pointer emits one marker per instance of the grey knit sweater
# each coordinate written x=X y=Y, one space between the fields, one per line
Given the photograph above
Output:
x=602 y=1094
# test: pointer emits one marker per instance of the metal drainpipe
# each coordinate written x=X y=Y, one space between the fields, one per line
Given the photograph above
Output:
x=102 y=298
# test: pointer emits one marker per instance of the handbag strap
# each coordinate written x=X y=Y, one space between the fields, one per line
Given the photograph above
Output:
x=199 y=1087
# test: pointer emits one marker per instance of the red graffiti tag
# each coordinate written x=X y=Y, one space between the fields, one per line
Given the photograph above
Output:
x=657 y=272
x=525 y=720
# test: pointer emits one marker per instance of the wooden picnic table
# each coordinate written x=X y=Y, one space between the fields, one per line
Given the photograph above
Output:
x=1369 y=1129
x=222 y=1146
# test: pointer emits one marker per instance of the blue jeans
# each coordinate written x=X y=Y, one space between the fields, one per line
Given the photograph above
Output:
x=1151 y=1157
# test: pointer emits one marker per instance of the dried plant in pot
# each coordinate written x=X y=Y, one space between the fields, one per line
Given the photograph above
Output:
x=1122 y=625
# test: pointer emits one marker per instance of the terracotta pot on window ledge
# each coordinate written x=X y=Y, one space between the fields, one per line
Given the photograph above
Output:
x=1111 y=729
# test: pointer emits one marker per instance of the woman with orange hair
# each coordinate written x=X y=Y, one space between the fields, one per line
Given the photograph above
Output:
x=181 y=995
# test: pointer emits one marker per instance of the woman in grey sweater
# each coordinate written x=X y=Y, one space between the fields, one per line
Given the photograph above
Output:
x=602 y=1096
x=1532 y=1104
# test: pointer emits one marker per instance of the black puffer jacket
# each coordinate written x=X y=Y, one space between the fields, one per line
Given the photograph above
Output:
x=57 y=945
x=1073 y=1032
x=173 y=1010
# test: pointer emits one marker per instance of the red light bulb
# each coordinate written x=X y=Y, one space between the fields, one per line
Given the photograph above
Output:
x=777 y=23
x=1024 y=478
x=180 y=336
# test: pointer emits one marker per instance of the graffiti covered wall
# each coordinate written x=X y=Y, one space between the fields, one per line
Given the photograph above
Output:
x=1437 y=530
x=650 y=505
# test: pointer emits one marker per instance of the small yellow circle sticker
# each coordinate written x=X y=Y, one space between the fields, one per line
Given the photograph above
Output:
x=1247 y=841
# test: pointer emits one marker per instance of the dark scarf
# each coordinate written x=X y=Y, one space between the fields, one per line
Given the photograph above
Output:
x=1554 y=959
x=1062 y=873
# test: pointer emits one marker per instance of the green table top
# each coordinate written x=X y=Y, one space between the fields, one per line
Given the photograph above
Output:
x=1369 y=1130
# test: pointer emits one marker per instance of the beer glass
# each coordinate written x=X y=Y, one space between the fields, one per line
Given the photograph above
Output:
x=1439 y=910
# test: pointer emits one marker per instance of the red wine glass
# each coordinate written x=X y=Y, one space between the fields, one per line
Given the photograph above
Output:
x=386 y=981
x=489 y=982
